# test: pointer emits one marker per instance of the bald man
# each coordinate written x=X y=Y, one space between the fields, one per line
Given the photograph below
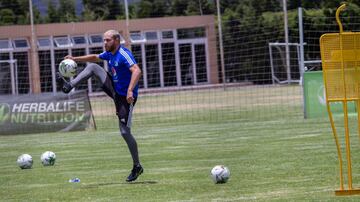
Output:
x=120 y=82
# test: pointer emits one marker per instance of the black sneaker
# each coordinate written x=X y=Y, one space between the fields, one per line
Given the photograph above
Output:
x=135 y=173
x=65 y=85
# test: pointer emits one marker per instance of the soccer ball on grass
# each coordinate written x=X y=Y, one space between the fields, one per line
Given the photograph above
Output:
x=220 y=174
x=67 y=68
x=48 y=158
x=25 y=161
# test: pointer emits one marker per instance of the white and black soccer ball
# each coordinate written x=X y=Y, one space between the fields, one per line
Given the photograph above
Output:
x=67 y=68
x=25 y=161
x=48 y=158
x=220 y=174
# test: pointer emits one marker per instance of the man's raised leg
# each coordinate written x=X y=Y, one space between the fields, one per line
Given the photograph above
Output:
x=90 y=70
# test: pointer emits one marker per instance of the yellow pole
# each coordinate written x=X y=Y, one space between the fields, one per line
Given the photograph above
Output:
x=337 y=145
x=347 y=142
x=341 y=8
x=345 y=107
x=358 y=114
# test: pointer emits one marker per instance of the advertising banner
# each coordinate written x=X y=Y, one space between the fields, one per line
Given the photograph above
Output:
x=315 y=100
x=46 y=112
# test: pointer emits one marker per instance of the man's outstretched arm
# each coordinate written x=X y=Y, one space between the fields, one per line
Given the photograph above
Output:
x=85 y=58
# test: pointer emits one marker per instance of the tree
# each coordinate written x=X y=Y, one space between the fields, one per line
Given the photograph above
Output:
x=132 y=11
x=116 y=10
x=206 y=7
x=179 y=7
x=261 y=6
x=156 y=8
x=7 y=17
x=52 y=14
x=66 y=11
x=199 y=7
x=14 y=6
x=193 y=9
x=96 y=9
x=17 y=12
x=24 y=16
x=145 y=8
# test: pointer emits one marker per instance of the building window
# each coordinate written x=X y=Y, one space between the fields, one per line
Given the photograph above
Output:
x=151 y=36
x=23 y=84
x=169 y=64
x=5 y=74
x=5 y=45
x=137 y=37
x=152 y=65
x=200 y=63
x=137 y=53
x=44 y=42
x=62 y=42
x=20 y=43
x=96 y=39
x=186 y=66
x=45 y=71
x=5 y=78
x=167 y=34
x=79 y=40
x=191 y=33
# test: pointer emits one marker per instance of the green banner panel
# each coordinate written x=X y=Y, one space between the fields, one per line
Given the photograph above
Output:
x=315 y=101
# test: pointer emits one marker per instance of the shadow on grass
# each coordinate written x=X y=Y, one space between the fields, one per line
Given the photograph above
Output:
x=118 y=183
x=142 y=182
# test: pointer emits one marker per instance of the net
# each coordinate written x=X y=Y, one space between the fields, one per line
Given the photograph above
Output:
x=182 y=80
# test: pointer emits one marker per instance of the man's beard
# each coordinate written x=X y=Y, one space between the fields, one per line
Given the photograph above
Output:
x=110 y=48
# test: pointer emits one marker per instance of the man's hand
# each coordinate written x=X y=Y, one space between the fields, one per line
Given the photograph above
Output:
x=69 y=57
x=130 y=97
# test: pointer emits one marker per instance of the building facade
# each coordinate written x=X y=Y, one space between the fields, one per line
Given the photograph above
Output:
x=171 y=51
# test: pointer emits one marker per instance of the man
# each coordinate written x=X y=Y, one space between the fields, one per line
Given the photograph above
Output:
x=120 y=83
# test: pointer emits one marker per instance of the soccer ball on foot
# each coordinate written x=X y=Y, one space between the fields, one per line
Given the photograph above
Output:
x=48 y=158
x=25 y=161
x=67 y=68
x=220 y=174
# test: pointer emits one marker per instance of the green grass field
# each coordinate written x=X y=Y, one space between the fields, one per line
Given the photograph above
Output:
x=282 y=159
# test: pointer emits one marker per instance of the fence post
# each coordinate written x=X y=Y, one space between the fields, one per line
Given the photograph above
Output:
x=302 y=66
